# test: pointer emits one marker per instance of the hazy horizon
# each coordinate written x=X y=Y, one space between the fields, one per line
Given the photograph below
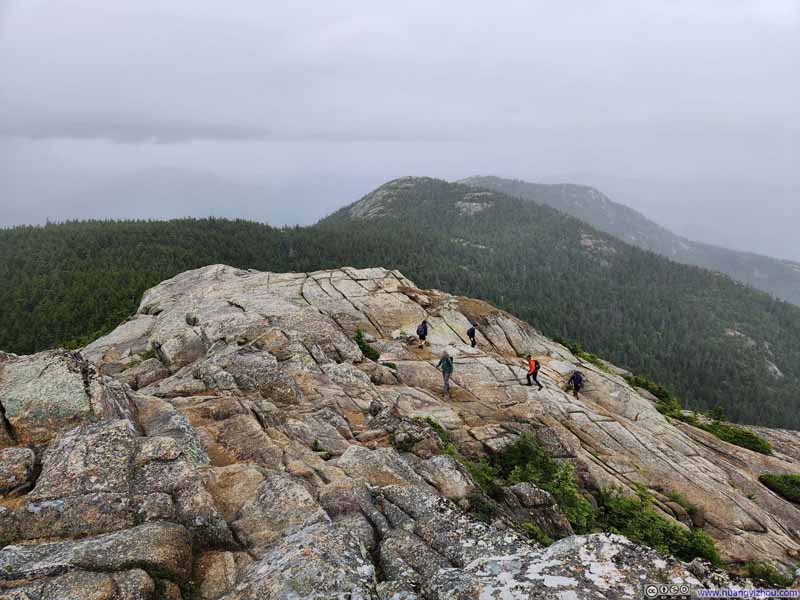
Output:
x=686 y=111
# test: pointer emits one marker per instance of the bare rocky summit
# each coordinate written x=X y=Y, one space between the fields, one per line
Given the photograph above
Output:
x=232 y=441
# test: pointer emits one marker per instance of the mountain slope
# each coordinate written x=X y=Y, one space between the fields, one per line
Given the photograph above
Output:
x=232 y=441
x=778 y=277
x=698 y=332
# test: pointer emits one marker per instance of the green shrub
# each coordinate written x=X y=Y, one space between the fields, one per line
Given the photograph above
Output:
x=443 y=434
x=670 y=406
x=689 y=418
x=635 y=518
x=527 y=461
x=485 y=476
x=766 y=574
x=533 y=531
x=687 y=506
x=577 y=350
x=576 y=508
x=366 y=349
x=147 y=354
x=482 y=507
x=389 y=365
x=787 y=486
x=740 y=436
x=319 y=449
x=667 y=403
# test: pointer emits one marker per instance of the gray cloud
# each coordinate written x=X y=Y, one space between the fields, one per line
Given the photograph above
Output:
x=265 y=93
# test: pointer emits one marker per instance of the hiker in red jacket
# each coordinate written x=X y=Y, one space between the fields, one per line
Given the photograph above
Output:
x=533 y=371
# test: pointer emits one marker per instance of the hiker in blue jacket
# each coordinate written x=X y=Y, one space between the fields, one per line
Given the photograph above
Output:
x=471 y=332
x=576 y=382
x=422 y=332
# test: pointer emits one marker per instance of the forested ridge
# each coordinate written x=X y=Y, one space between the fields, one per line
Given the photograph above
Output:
x=781 y=278
x=713 y=341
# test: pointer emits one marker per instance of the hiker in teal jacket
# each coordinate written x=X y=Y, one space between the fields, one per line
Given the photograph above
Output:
x=446 y=365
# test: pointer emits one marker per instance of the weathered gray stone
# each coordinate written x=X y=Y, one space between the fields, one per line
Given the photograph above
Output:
x=162 y=547
x=260 y=443
x=85 y=585
x=42 y=395
x=16 y=469
x=316 y=561
x=90 y=459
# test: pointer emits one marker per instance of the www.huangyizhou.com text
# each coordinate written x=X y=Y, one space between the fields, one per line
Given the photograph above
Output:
x=754 y=593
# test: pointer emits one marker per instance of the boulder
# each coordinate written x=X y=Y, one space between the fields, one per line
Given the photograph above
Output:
x=158 y=547
x=42 y=395
x=86 y=585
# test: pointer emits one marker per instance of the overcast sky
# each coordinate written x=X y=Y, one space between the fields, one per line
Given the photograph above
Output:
x=284 y=111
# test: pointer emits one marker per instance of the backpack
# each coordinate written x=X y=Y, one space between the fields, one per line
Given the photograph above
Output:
x=422 y=330
x=447 y=364
x=577 y=378
x=471 y=332
x=536 y=365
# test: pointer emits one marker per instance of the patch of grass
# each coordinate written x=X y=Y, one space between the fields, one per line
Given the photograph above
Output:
x=366 y=349
x=389 y=365
x=787 y=486
x=766 y=574
x=635 y=518
x=533 y=531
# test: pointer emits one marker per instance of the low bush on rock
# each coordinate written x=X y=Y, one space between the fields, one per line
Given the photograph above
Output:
x=670 y=406
x=577 y=350
x=765 y=574
x=635 y=518
x=787 y=486
x=535 y=532
x=679 y=499
x=482 y=507
x=365 y=347
x=733 y=434
x=444 y=435
x=527 y=461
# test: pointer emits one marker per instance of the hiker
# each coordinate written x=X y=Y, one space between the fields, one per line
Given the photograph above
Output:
x=422 y=332
x=446 y=365
x=533 y=371
x=576 y=382
x=471 y=335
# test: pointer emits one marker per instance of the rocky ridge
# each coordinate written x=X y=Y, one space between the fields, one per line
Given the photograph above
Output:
x=230 y=440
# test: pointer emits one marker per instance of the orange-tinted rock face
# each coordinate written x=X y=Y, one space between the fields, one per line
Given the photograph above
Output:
x=234 y=435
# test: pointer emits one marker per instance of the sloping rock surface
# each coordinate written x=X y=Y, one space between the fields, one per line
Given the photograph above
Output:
x=232 y=441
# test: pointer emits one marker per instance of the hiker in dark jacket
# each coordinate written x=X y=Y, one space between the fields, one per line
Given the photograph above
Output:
x=533 y=371
x=422 y=332
x=446 y=365
x=471 y=335
x=576 y=382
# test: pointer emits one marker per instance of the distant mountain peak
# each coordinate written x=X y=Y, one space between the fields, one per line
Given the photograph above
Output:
x=780 y=278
